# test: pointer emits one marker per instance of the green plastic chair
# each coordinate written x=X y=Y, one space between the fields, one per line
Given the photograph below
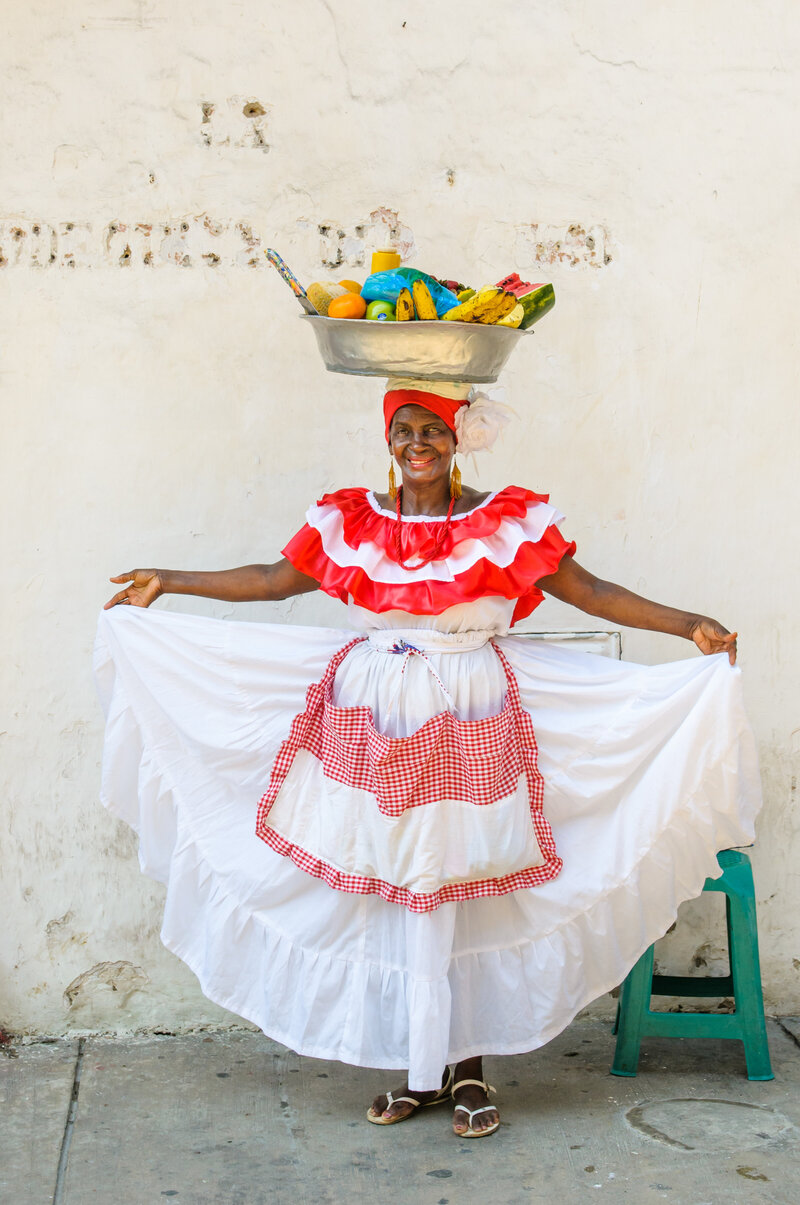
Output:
x=636 y=1020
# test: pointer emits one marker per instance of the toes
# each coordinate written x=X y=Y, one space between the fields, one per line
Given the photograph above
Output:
x=382 y=1108
x=483 y=1121
x=398 y=1110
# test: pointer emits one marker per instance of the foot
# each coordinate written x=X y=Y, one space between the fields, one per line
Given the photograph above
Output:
x=472 y=1097
x=400 y=1109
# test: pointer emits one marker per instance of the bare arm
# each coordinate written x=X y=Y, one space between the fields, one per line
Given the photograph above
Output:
x=573 y=584
x=250 y=583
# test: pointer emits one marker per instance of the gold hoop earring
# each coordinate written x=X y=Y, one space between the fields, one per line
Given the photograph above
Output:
x=392 y=482
x=455 y=481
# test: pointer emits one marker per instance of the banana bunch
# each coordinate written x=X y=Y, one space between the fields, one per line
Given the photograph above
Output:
x=416 y=302
x=491 y=306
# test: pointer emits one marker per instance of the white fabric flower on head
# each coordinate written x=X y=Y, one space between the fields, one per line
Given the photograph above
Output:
x=479 y=424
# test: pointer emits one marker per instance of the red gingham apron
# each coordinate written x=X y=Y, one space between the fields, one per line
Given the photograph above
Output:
x=478 y=762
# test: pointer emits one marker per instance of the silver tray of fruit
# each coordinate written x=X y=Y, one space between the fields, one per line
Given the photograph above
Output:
x=430 y=351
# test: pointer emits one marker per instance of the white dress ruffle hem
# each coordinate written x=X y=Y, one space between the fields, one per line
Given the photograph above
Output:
x=648 y=772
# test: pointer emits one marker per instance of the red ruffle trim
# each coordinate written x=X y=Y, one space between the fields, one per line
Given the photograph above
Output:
x=517 y=580
x=361 y=522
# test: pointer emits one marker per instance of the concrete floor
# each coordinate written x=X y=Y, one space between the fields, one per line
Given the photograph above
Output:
x=235 y=1119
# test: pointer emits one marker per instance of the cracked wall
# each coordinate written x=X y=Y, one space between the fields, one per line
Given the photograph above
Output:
x=162 y=404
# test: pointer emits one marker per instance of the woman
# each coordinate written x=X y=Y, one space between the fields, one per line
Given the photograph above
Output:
x=407 y=906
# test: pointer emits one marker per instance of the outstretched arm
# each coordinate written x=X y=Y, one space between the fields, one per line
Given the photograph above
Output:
x=573 y=584
x=250 y=583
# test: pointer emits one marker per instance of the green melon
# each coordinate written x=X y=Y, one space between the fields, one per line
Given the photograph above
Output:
x=536 y=304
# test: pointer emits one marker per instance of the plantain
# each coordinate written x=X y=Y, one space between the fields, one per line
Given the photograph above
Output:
x=423 y=302
x=488 y=306
x=404 y=310
x=513 y=319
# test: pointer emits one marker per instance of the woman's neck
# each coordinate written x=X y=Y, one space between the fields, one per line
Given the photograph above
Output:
x=430 y=499
x=470 y=498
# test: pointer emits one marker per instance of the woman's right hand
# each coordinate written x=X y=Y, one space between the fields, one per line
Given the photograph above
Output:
x=144 y=587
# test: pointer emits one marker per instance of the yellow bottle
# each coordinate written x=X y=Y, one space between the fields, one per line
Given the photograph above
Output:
x=385 y=259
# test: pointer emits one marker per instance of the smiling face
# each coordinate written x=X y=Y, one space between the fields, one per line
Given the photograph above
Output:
x=422 y=444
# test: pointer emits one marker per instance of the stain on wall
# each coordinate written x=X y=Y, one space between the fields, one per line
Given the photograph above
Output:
x=571 y=246
x=192 y=240
x=60 y=934
x=239 y=122
x=120 y=979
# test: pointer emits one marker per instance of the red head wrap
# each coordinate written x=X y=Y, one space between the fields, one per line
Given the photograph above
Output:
x=444 y=408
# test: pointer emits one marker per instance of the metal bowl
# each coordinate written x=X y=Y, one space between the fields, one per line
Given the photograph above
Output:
x=431 y=351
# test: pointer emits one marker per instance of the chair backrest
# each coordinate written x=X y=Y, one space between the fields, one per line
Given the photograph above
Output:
x=606 y=644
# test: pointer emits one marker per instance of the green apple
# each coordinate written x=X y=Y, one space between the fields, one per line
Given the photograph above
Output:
x=381 y=311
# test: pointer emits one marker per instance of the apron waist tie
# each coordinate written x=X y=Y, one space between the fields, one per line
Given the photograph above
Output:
x=419 y=642
x=405 y=650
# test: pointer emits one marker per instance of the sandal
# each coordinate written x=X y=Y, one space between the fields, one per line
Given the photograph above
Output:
x=469 y=1132
x=442 y=1095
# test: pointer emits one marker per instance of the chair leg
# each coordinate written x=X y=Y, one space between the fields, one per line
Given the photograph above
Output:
x=634 y=1004
x=746 y=974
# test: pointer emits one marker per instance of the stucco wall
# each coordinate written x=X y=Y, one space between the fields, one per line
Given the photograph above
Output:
x=161 y=403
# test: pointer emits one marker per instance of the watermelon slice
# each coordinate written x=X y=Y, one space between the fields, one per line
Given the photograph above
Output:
x=513 y=284
x=538 y=302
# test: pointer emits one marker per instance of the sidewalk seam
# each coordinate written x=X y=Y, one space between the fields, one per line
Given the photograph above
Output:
x=72 y=1113
x=788 y=1032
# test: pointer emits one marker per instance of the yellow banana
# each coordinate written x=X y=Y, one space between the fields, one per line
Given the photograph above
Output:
x=423 y=302
x=404 y=310
x=487 y=306
x=514 y=319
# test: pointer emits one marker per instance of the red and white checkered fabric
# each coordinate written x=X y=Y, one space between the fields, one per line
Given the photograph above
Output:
x=478 y=762
x=533 y=876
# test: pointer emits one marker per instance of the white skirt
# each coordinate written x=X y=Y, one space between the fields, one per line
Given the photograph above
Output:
x=648 y=771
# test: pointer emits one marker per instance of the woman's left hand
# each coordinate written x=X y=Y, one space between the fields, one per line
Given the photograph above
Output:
x=711 y=637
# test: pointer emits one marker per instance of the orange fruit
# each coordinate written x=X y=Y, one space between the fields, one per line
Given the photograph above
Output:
x=351 y=305
x=352 y=285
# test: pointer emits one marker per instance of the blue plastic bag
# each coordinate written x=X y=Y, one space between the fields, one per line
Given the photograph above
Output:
x=386 y=286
